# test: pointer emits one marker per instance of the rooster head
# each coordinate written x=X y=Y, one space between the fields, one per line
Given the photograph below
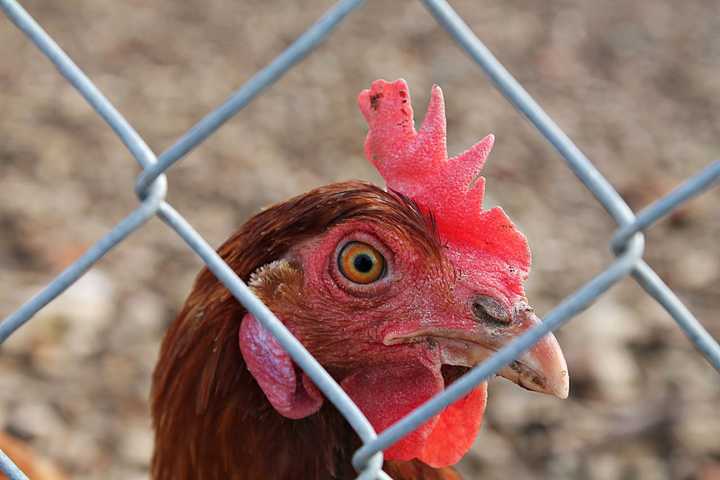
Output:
x=403 y=289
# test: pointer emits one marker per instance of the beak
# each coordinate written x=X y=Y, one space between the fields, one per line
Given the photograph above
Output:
x=541 y=369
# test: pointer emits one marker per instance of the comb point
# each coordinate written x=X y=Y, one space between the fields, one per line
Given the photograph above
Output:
x=432 y=137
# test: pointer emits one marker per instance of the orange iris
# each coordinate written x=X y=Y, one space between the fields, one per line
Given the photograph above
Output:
x=361 y=263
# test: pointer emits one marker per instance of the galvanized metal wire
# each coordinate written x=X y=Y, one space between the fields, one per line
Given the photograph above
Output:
x=151 y=187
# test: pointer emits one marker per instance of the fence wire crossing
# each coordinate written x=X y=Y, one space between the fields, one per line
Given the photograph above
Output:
x=151 y=188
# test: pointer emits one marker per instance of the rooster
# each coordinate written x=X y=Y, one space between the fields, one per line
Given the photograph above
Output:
x=395 y=292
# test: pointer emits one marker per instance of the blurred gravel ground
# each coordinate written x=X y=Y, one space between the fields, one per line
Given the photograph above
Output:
x=635 y=84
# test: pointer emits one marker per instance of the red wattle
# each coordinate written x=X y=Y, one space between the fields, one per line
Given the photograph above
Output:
x=455 y=430
x=386 y=394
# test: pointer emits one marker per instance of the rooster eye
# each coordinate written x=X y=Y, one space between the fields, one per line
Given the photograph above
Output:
x=361 y=263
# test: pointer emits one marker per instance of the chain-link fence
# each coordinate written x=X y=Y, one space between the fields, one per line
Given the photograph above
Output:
x=151 y=186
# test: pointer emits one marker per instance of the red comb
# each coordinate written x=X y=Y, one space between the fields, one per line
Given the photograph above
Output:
x=416 y=164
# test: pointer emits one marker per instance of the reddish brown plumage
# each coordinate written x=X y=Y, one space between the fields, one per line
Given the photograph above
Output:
x=211 y=419
x=34 y=466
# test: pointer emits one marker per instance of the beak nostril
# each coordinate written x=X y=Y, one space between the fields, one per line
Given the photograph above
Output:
x=488 y=310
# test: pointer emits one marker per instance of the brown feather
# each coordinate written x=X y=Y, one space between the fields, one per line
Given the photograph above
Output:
x=211 y=419
x=31 y=464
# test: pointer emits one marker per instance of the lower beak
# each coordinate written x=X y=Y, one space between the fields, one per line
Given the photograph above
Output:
x=541 y=369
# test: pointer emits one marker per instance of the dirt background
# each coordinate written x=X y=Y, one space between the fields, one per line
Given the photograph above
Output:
x=635 y=84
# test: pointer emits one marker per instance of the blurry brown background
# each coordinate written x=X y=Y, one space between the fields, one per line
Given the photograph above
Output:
x=635 y=84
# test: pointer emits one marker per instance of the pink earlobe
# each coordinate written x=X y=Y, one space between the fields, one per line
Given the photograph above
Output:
x=288 y=390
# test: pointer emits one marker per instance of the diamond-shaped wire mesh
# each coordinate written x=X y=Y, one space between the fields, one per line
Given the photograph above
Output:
x=151 y=187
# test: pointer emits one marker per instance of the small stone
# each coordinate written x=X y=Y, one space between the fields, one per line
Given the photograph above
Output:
x=137 y=445
x=35 y=419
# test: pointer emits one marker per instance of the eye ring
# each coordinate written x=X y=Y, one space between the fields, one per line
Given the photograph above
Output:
x=361 y=263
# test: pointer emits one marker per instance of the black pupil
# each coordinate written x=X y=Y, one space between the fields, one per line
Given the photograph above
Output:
x=363 y=263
